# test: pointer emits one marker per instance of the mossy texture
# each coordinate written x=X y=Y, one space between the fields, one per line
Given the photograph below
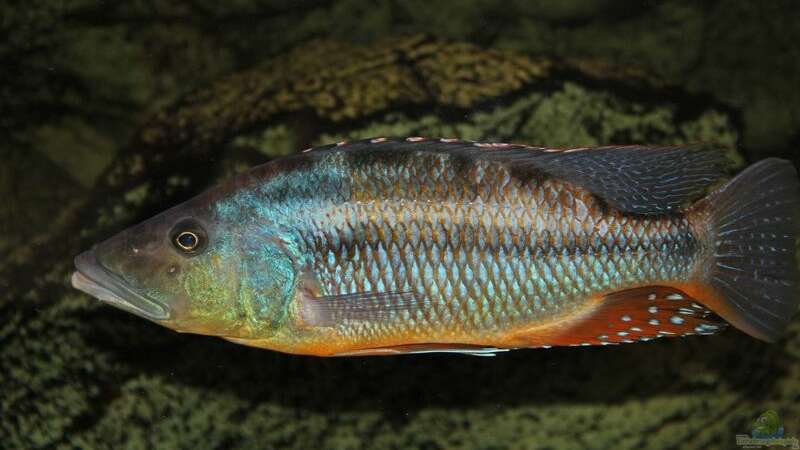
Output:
x=199 y=104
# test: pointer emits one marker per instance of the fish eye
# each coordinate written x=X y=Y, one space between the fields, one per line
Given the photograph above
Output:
x=189 y=237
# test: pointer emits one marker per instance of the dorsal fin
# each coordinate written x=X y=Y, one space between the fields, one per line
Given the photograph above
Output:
x=647 y=180
x=639 y=179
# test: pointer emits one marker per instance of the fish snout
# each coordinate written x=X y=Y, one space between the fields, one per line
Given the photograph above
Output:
x=96 y=280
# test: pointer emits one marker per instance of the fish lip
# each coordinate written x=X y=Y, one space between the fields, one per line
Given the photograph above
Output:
x=94 y=279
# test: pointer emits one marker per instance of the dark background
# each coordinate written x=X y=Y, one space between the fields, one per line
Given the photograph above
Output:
x=113 y=111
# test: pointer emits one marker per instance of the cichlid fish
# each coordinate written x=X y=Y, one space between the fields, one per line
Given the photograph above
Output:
x=389 y=245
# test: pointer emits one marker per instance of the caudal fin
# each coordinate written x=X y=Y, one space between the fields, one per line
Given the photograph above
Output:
x=754 y=225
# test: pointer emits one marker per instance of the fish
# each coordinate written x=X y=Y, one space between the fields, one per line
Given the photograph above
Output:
x=768 y=426
x=390 y=246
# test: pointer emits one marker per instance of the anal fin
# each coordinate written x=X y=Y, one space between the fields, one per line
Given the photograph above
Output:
x=632 y=315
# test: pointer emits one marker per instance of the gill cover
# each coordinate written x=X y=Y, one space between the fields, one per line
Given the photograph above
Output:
x=267 y=284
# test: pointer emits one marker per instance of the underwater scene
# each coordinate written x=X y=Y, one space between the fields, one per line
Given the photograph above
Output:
x=607 y=188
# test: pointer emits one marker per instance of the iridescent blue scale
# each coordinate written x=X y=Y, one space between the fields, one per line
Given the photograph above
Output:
x=480 y=249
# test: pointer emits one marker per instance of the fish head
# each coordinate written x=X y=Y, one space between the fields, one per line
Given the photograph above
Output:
x=767 y=423
x=190 y=270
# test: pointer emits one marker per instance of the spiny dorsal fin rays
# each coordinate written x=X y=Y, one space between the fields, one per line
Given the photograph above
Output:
x=645 y=180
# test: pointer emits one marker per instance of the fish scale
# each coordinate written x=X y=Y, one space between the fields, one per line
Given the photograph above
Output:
x=462 y=226
x=393 y=245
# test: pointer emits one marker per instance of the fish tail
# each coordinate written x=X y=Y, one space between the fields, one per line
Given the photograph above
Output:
x=752 y=230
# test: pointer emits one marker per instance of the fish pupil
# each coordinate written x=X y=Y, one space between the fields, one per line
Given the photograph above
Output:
x=187 y=240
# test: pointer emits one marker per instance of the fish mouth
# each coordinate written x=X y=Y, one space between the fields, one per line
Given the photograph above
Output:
x=97 y=281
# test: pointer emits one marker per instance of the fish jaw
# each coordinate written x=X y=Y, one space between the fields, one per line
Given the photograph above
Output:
x=94 y=279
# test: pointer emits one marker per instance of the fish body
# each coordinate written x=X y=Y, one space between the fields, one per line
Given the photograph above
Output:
x=389 y=246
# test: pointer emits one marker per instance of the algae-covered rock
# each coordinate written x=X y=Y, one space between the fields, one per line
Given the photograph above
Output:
x=77 y=374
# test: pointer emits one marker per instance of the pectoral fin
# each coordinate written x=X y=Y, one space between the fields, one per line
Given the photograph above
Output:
x=323 y=310
x=329 y=310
